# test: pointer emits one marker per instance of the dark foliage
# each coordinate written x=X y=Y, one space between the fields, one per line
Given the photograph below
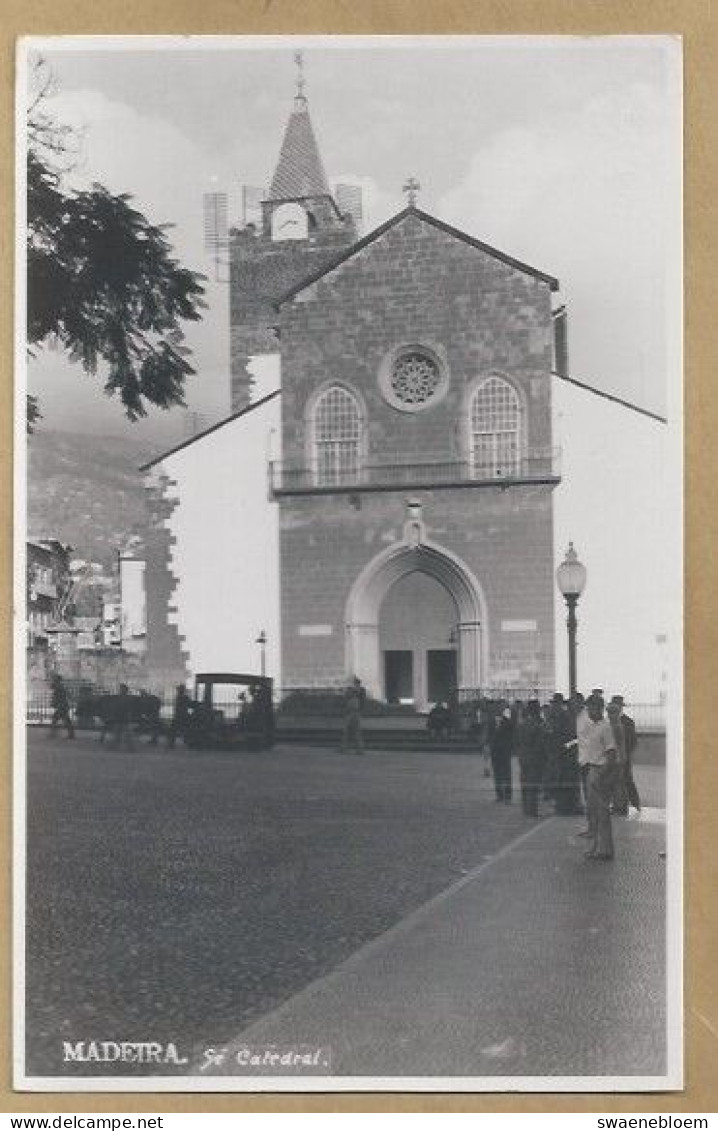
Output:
x=103 y=283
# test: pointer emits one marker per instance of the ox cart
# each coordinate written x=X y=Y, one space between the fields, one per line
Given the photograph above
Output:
x=140 y=713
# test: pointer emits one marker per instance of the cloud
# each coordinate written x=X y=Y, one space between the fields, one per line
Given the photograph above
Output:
x=588 y=196
x=145 y=156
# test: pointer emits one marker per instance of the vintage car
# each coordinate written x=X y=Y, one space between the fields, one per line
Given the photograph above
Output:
x=230 y=709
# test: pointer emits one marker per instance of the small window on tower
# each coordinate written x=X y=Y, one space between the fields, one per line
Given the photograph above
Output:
x=289 y=222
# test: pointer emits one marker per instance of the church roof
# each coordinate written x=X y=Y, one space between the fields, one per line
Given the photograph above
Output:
x=214 y=428
x=299 y=171
x=583 y=385
x=411 y=210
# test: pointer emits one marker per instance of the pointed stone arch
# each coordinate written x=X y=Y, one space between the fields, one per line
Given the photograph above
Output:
x=372 y=585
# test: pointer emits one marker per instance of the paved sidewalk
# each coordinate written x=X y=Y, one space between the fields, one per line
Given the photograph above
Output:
x=536 y=963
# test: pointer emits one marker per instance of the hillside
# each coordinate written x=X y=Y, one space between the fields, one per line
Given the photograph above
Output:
x=86 y=490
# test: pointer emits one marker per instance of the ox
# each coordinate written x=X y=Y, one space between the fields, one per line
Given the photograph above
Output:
x=144 y=713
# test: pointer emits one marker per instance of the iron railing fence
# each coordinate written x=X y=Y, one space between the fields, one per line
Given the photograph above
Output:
x=39 y=709
x=287 y=478
x=648 y=716
x=328 y=702
x=304 y=702
x=510 y=694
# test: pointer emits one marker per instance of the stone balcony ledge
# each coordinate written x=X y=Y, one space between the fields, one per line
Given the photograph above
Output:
x=304 y=479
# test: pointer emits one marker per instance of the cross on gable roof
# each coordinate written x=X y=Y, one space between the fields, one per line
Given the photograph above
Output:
x=426 y=218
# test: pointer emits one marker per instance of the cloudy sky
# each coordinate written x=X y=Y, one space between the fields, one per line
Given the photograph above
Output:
x=562 y=152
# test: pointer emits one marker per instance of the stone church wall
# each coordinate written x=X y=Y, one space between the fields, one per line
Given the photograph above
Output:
x=418 y=285
x=504 y=536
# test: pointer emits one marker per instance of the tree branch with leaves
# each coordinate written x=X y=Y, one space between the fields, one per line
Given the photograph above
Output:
x=102 y=281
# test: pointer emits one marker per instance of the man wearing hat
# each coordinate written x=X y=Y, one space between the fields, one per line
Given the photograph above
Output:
x=501 y=744
x=532 y=745
x=626 y=792
x=563 y=758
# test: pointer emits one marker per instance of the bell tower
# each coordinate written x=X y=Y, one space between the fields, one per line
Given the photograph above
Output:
x=302 y=232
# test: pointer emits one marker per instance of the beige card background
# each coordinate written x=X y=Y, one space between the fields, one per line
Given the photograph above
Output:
x=697 y=22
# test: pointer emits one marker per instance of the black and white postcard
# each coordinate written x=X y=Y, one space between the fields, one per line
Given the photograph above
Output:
x=348 y=639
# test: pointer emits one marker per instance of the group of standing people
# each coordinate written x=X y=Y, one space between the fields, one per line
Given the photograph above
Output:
x=575 y=753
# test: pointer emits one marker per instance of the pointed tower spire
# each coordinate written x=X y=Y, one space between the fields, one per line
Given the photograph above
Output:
x=299 y=98
x=299 y=171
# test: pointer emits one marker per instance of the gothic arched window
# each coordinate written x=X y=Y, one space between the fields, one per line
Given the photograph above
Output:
x=495 y=423
x=337 y=436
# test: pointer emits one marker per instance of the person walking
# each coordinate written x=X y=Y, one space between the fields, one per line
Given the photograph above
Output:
x=180 y=715
x=630 y=795
x=532 y=757
x=352 y=739
x=502 y=748
x=123 y=720
x=597 y=751
x=60 y=704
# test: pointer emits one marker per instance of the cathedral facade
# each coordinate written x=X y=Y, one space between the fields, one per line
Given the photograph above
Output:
x=409 y=516
x=417 y=471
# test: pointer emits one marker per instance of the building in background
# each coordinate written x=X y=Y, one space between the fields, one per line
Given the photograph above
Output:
x=132 y=604
x=213 y=557
x=48 y=574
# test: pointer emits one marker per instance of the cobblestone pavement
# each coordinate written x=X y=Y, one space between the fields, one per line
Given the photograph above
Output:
x=176 y=896
x=537 y=964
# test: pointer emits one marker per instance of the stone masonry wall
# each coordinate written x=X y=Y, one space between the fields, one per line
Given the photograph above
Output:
x=504 y=536
x=418 y=285
x=166 y=659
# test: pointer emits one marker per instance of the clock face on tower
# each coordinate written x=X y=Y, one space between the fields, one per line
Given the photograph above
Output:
x=289 y=222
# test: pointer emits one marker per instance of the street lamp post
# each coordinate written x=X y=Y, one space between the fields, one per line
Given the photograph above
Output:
x=262 y=641
x=571 y=579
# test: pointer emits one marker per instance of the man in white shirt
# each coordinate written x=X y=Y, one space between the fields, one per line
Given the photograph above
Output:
x=597 y=752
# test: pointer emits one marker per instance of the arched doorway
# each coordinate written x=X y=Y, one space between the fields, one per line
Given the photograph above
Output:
x=418 y=640
x=458 y=599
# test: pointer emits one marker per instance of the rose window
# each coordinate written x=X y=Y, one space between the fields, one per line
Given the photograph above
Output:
x=415 y=379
